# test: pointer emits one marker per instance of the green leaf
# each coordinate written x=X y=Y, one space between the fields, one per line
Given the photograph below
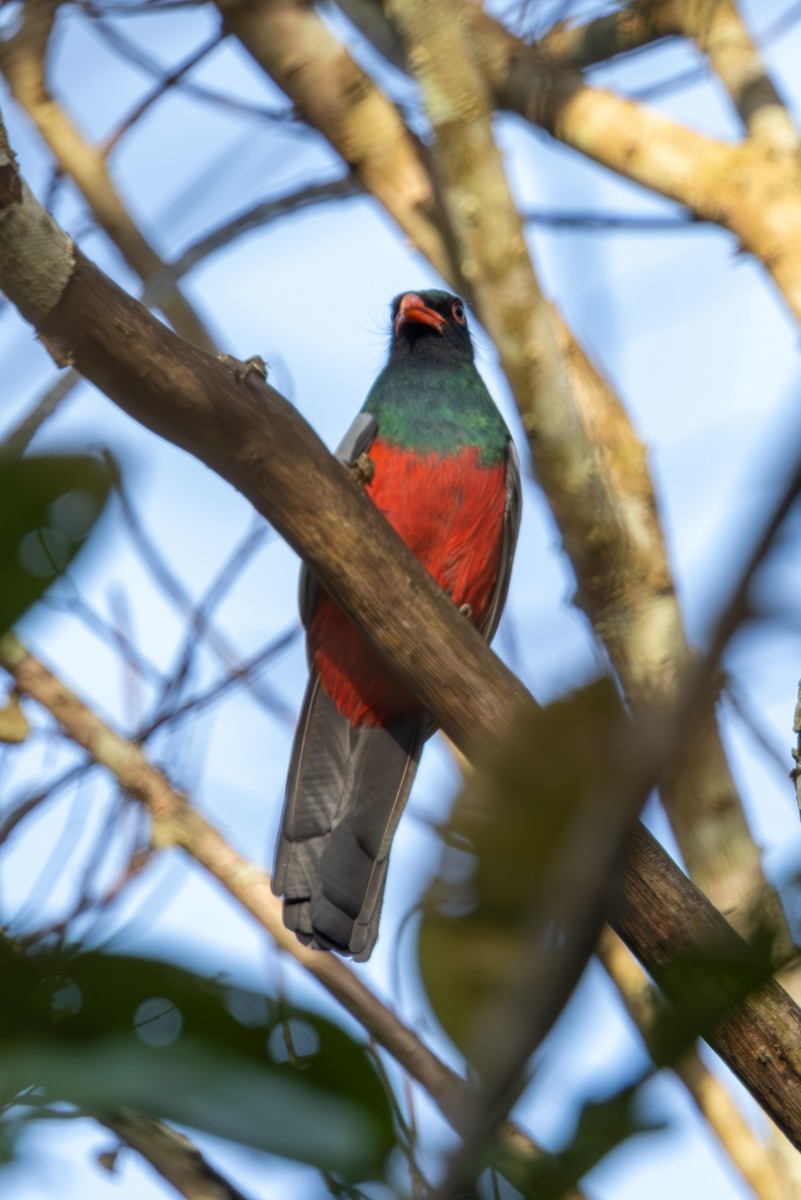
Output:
x=103 y=1032
x=507 y=866
x=602 y=1127
x=48 y=505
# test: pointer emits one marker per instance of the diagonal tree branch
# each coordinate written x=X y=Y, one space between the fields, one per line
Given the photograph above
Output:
x=746 y=189
x=290 y=42
x=220 y=411
x=22 y=62
x=709 y=1095
x=171 y=1153
x=720 y=33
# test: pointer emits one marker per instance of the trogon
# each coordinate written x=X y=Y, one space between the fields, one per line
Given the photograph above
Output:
x=446 y=477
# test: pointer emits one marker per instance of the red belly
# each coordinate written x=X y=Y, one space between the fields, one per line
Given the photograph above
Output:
x=449 y=511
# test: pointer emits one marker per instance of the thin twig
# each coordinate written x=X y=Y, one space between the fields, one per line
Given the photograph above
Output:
x=177 y=593
x=17 y=440
x=256 y=217
x=167 y=82
x=177 y=824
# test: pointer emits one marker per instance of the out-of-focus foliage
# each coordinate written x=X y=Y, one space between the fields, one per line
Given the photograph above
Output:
x=104 y=1032
x=512 y=860
x=48 y=505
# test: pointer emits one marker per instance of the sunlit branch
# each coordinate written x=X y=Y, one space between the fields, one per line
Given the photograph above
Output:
x=333 y=94
x=720 y=33
x=747 y=189
x=22 y=62
x=711 y=1098
x=173 y=1155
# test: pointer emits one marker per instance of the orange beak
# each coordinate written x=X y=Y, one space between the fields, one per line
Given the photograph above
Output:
x=412 y=309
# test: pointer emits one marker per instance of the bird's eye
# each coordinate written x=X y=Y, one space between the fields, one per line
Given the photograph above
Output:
x=458 y=312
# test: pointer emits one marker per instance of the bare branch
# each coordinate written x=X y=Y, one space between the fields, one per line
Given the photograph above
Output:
x=175 y=591
x=253 y=218
x=747 y=189
x=176 y=1159
x=721 y=34
x=165 y=84
x=709 y=1095
x=17 y=440
x=661 y=917
x=631 y=27
x=135 y=54
x=22 y=62
x=290 y=42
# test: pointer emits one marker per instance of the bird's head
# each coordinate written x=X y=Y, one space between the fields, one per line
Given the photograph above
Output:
x=430 y=324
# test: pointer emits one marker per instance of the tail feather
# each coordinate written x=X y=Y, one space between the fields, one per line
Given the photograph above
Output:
x=345 y=794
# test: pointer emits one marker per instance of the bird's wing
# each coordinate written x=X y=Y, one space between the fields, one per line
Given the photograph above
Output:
x=357 y=440
x=511 y=528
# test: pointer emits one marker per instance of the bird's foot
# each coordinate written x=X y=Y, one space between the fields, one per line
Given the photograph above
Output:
x=466 y=610
x=255 y=365
x=362 y=469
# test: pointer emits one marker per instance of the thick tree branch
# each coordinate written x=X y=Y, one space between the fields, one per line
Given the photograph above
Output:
x=747 y=189
x=709 y=1095
x=222 y=412
x=22 y=62
x=721 y=34
x=663 y=919
x=290 y=42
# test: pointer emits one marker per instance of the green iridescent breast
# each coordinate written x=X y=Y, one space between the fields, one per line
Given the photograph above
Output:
x=438 y=408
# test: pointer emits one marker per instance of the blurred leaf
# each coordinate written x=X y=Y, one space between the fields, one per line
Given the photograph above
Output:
x=703 y=986
x=508 y=857
x=48 y=505
x=602 y=1127
x=14 y=727
x=102 y=1031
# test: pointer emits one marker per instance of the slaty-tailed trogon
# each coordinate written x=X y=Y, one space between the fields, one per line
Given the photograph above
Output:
x=446 y=478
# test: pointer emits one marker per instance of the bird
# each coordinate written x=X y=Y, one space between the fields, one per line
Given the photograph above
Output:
x=445 y=474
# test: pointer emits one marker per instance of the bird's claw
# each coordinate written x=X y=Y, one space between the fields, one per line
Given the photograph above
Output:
x=466 y=610
x=362 y=469
x=255 y=365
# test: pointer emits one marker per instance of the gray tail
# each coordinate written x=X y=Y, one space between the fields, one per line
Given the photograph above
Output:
x=345 y=794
